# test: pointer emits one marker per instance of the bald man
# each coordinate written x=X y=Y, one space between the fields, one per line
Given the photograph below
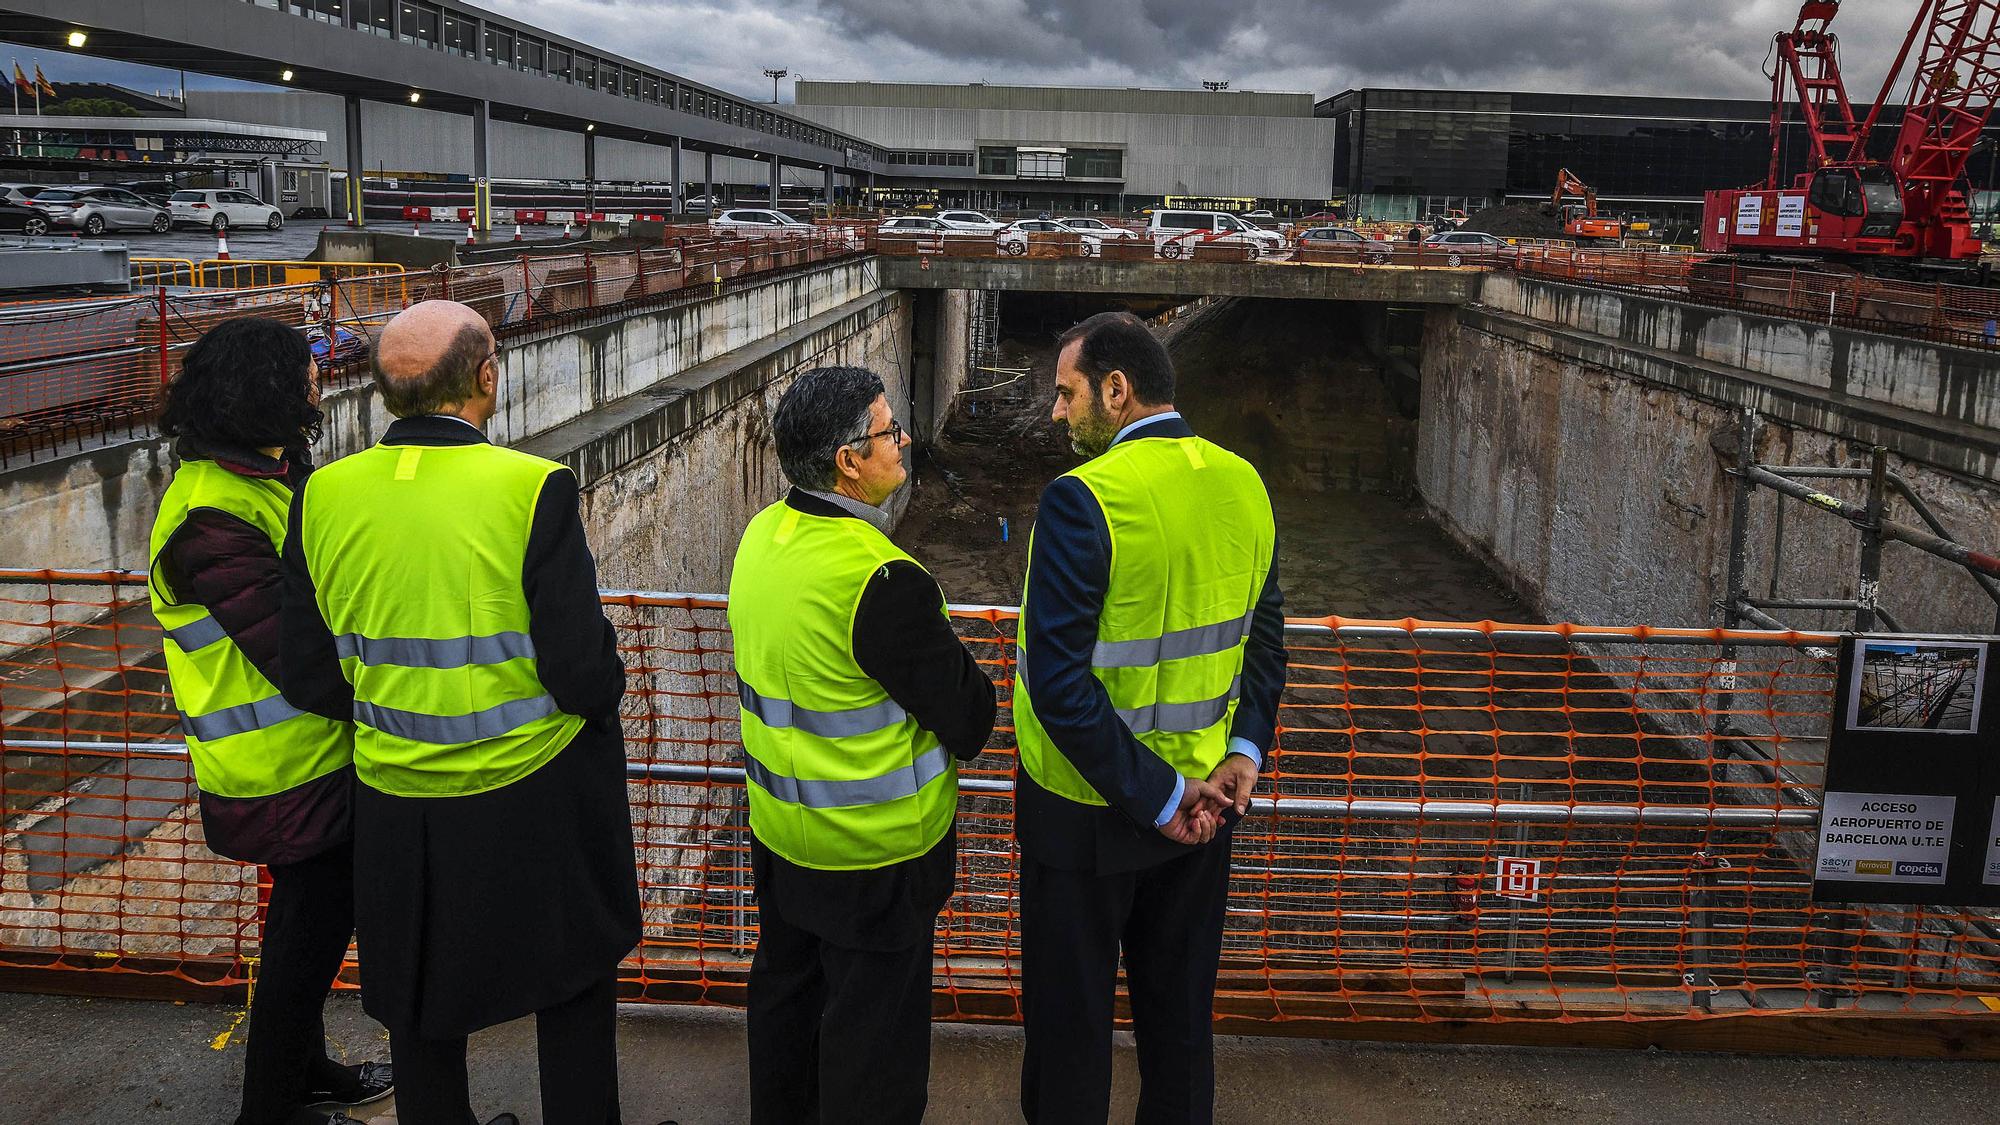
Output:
x=439 y=589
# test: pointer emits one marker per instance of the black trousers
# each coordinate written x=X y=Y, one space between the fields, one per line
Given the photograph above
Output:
x=576 y=1046
x=837 y=1036
x=307 y=925
x=1168 y=918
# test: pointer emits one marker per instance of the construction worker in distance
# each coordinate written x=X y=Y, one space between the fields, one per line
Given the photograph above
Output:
x=441 y=588
x=856 y=697
x=276 y=783
x=1152 y=659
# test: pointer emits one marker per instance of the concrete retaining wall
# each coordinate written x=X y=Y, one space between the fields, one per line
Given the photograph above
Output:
x=1580 y=442
x=95 y=509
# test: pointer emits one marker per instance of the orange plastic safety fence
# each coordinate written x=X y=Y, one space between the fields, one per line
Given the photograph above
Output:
x=1467 y=822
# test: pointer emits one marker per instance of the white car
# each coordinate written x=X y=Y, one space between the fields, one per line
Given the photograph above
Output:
x=221 y=209
x=1177 y=233
x=913 y=224
x=969 y=220
x=758 y=220
x=1013 y=238
x=1100 y=228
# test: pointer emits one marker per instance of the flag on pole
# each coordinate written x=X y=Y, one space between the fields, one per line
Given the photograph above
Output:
x=43 y=83
x=21 y=82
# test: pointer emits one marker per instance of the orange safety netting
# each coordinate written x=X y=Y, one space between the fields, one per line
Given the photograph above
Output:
x=1469 y=822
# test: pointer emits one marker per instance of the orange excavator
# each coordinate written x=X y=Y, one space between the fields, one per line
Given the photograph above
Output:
x=1580 y=220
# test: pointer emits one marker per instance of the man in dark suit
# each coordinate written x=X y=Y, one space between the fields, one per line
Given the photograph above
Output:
x=1152 y=660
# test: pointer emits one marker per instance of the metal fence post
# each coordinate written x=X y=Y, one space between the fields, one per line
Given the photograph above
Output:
x=1869 y=592
x=166 y=375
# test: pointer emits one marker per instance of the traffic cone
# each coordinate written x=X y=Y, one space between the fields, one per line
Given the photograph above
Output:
x=221 y=246
x=565 y=228
x=468 y=235
x=517 y=232
x=416 y=229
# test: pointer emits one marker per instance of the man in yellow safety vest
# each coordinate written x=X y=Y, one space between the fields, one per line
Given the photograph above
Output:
x=1151 y=662
x=440 y=589
x=856 y=700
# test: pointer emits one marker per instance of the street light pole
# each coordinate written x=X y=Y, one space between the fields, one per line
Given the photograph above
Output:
x=774 y=75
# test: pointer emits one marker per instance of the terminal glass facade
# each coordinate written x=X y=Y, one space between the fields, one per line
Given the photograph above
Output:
x=1398 y=150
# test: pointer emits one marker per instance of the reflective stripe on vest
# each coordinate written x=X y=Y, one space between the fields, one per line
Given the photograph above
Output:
x=198 y=634
x=1201 y=640
x=1191 y=538
x=783 y=713
x=451 y=652
x=240 y=719
x=904 y=781
x=416 y=555
x=841 y=776
x=243 y=739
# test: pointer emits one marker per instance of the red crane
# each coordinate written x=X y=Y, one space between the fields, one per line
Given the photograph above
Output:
x=1908 y=208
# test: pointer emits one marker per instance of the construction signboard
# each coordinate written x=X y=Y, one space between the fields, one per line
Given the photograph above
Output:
x=1911 y=810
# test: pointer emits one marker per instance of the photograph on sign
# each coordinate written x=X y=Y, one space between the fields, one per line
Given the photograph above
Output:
x=1917 y=685
x=1885 y=837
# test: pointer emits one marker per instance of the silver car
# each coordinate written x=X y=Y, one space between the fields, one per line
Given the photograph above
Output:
x=94 y=210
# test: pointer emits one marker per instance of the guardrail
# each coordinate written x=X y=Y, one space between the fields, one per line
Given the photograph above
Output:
x=1545 y=833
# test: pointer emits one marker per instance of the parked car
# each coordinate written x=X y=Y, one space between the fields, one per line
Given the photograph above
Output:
x=914 y=223
x=222 y=208
x=1467 y=245
x=20 y=193
x=758 y=220
x=1012 y=239
x=1347 y=240
x=1261 y=215
x=1100 y=228
x=969 y=220
x=94 y=210
x=1177 y=232
x=23 y=218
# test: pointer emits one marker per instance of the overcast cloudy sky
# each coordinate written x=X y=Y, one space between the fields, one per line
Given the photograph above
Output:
x=1686 y=47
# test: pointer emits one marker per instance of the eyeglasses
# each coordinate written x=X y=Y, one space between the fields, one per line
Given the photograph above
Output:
x=894 y=433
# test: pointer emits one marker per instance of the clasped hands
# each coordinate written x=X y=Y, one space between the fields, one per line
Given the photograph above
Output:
x=1199 y=814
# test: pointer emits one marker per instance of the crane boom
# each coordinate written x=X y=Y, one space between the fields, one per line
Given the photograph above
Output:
x=1849 y=203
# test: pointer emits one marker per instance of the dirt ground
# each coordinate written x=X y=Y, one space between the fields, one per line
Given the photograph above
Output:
x=1357 y=554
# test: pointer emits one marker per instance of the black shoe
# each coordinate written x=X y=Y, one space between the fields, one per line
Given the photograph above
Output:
x=365 y=1082
x=505 y=1119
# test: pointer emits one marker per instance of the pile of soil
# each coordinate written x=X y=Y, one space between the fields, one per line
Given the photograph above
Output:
x=1516 y=220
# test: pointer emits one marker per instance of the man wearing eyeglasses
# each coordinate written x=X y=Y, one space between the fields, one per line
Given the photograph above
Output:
x=856 y=700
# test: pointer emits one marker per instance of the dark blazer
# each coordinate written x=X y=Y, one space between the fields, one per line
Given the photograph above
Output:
x=1069 y=570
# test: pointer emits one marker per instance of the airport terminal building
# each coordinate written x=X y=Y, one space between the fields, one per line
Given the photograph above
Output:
x=1083 y=148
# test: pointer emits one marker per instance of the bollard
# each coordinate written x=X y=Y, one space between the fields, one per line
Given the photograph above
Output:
x=222 y=245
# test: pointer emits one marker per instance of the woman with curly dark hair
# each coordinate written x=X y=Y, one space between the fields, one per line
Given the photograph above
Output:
x=275 y=782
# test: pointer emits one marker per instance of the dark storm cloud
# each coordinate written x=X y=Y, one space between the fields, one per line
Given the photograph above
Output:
x=1715 y=47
